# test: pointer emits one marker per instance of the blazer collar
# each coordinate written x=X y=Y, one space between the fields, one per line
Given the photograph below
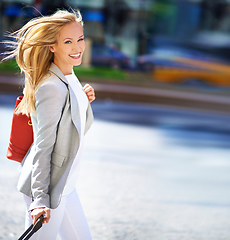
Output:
x=73 y=100
x=55 y=70
x=74 y=103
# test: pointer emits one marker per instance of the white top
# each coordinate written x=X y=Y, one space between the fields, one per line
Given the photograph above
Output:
x=83 y=104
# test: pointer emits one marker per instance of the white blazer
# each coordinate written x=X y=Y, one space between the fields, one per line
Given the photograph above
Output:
x=56 y=126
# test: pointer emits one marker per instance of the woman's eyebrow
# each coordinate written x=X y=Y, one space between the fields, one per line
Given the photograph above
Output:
x=72 y=38
x=67 y=38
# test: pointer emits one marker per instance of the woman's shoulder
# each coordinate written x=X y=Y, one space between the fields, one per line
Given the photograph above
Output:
x=53 y=82
x=53 y=87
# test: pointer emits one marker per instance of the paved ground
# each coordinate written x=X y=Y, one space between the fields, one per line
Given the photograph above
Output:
x=148 y=173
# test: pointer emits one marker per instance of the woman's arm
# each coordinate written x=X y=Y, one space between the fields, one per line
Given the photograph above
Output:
x=50 y=100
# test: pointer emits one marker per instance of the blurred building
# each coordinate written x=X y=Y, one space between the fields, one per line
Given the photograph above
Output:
x=130 y=25
x=115 y=22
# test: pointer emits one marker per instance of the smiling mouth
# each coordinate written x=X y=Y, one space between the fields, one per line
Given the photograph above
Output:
x=75 y=56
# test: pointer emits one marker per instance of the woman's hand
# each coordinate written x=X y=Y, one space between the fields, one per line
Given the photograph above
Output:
x=37 y=212
x=89 y=92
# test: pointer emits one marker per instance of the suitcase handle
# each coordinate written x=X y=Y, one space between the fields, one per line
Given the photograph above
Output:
x=32 y=229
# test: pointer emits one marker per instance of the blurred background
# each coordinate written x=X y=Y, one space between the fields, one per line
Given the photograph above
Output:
x=181 y=43
x=157 y=158
x=174 y=41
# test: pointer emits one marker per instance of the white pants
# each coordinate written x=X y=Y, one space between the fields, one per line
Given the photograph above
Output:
x=68 y=220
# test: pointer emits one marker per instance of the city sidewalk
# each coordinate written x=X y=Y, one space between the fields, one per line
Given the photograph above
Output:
x=156 y=94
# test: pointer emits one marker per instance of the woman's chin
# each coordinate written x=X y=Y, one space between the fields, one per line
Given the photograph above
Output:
x=77 y=63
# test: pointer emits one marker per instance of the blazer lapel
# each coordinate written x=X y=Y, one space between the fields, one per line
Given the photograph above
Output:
x=73 y=100
x=74 y=103
x=55 y=70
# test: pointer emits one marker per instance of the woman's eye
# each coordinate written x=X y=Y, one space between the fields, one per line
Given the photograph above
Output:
x=81 y=39
x=67 y=42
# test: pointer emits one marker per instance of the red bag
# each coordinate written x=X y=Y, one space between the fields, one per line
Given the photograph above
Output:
x=21 y=136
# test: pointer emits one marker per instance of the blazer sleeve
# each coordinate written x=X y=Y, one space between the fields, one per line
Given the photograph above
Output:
x=50 y=101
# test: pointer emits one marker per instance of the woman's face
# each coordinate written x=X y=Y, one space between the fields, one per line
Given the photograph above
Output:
x=69 y=48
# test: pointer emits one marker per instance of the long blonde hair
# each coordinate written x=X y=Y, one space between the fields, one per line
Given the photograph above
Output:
x=32 y=51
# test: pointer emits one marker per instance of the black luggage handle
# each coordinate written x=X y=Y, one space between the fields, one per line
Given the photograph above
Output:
x=32 y=229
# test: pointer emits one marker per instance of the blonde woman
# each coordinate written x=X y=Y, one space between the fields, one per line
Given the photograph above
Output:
x=48 y=48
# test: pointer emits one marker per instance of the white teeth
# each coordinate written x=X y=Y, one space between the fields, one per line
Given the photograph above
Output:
x=75 y=56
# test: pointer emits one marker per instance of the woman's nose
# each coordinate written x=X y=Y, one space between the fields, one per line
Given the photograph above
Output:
x=76 y=47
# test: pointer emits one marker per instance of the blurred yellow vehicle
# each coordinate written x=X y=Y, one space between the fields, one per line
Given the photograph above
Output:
x=177 y=65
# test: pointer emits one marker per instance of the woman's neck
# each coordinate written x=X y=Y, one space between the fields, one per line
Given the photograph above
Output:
x=66 y=70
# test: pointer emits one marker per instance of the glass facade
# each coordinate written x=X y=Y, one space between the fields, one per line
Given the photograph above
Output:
x=130 y=24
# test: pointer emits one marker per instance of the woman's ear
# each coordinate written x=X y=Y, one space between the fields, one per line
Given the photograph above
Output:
x=51 y=48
